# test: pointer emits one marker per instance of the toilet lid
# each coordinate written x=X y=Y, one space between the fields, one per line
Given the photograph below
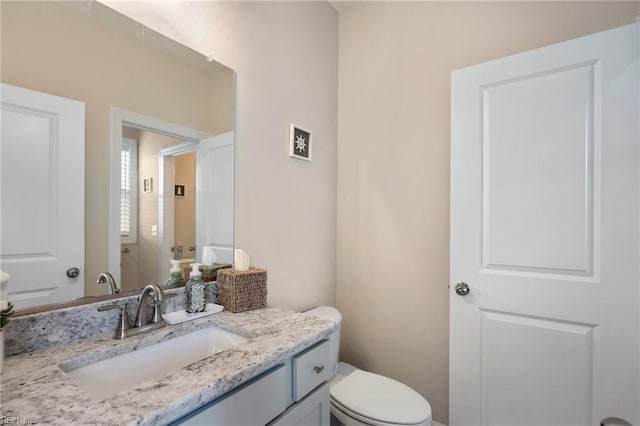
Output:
x=381 y=398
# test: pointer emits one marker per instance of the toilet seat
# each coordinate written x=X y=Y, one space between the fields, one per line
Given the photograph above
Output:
x=349 y=418
x=379 y=401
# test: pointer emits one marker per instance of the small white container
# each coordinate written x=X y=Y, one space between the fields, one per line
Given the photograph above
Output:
x=241 y=260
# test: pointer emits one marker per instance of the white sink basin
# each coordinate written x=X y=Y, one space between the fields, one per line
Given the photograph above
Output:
x=112 y=375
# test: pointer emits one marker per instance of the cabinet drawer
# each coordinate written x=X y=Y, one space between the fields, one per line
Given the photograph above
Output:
x=310 y=369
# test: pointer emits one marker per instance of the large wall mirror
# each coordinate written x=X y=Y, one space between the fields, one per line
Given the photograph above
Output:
x=117 y=153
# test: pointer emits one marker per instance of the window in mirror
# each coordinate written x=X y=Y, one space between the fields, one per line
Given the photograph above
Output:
x=128 y=191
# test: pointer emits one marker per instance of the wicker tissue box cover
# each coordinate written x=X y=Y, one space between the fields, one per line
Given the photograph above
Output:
x=240 y=291
x=209 y=272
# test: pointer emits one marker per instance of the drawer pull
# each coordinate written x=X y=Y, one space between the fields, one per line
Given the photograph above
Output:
x=318 y=369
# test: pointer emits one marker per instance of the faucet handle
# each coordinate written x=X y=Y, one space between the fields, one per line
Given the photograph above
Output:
x=165 y=296
x=157 y=305
x=123 y=320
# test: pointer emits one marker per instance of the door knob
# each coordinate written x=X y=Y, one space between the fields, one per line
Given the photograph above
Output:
x=73 y=272
x=614 y=421
x=462 y=289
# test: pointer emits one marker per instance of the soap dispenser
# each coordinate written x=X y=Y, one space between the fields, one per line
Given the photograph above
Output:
x=175 y=274
x=195 y=290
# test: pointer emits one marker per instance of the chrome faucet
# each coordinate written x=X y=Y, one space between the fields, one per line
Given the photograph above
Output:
x=105 y=278
x=158 y=298
x=141 y=324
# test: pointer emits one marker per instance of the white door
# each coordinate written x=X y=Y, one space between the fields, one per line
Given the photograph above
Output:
x=544 y=231
x=167 y=217
x=214 y=196
x=42 y=171
x=166 y=201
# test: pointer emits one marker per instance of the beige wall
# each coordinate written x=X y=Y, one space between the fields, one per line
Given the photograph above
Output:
x=285 y=58
x=393 y=165
x=49 y=48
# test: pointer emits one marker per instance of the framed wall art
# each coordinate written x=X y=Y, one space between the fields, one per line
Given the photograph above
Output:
x=147 y=184
x=299 y=143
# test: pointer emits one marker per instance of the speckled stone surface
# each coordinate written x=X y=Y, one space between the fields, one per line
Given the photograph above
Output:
x=35 y=388
x=62 y=326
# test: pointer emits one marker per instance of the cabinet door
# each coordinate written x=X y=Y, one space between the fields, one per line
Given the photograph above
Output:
x=312 y=410
x=254 y=403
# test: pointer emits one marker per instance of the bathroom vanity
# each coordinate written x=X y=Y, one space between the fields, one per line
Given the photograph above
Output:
x=276 y=375
x=292 y=393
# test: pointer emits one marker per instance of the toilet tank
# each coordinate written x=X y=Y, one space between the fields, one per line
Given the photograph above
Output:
x=329 y=313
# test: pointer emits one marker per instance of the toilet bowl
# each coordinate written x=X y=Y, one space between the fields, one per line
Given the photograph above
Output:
x=360 y=398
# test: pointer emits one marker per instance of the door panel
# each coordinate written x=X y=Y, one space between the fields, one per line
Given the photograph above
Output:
x=537 y=153
x=561 y=355
x=214 y=182
x=29 y=232
x=544 y=230
x=42 y=220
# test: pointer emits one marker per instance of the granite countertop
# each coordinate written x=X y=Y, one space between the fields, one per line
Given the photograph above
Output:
x=35 y=390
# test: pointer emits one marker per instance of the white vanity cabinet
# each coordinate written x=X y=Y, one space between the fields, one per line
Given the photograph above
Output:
x=312 y=410
x=309 y=369
x=294 y=392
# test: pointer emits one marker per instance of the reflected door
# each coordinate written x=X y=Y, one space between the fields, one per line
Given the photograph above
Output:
x=544 y=232
x=177 y=204
x=214 y=200
x=42 y=220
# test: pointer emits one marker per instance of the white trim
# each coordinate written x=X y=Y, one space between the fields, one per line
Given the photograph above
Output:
x=118 y=118
x=179 y=149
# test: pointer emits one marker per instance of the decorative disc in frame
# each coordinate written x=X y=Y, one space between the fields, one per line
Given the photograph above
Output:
x=299 y=143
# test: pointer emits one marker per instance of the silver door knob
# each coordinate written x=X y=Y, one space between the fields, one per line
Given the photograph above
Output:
x=462 y=289
x=614 y=421
x=73 y=272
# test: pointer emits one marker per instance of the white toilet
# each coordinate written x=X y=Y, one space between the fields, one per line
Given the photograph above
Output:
x=361 y=398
